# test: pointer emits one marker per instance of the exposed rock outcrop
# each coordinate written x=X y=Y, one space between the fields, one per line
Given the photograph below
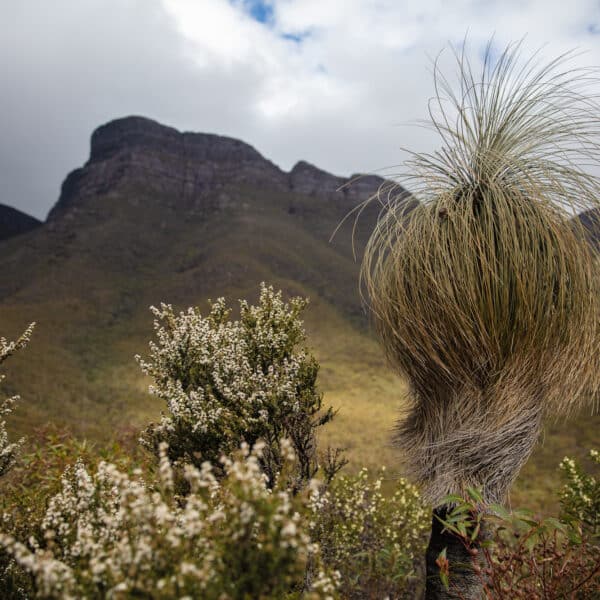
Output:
x=139 y=152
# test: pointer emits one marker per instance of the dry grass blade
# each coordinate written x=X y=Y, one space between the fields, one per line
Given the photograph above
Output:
x=486 y=296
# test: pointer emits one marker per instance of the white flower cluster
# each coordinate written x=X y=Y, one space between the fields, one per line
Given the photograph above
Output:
x=361 y=529
x=225 y=382
x=580 y=496
x=111 y=534
x=9 y=450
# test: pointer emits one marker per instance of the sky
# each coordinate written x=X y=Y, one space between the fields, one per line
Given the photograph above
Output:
x=338 y=83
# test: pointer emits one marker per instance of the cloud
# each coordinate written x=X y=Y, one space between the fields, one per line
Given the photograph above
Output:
x=331 y=82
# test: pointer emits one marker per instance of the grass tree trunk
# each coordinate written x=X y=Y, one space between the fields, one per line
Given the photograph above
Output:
x=465 y=579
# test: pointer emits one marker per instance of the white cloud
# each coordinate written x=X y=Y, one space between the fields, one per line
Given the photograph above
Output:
x=337 y=98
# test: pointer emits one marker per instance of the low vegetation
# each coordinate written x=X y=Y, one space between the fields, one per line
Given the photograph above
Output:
x=245 y=505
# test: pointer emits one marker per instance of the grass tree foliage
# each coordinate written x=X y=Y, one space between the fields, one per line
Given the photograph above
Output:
x=486 y=296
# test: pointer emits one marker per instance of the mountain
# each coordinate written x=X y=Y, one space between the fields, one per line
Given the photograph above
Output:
x=157 y=215
x=14 y=222
x=189 y=170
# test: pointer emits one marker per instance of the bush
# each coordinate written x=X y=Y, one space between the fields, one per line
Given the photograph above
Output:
x=111 y=534
x=227 y=382
x=580 y=496
x=25 y=492
x=541 y=558
x=375 y=541
x=9 y=450
x=206 y=519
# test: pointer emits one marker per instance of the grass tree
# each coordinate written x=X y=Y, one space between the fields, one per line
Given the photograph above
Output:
x=486 y=295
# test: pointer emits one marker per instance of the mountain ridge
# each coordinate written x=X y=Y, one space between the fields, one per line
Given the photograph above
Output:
x=190 y=166
x=157 y=215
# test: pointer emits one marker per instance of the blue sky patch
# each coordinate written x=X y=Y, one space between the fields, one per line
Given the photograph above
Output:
x=259 y=10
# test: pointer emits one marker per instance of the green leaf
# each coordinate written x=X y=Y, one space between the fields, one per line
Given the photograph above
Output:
x=459 y=510
x=445 y=580
x=555 y=524
x=524 y=514
x=453 y=499
x=475 y=495
x=531 y=542
x=530 y=522
x=451 y=528
x=574 y=536
x=500 y=511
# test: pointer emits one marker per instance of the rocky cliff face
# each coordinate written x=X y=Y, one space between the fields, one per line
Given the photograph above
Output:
x=188 y=167
x=14 y=222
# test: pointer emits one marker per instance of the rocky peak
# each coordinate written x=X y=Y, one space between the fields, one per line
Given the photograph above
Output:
x=14 y=222
x=307 y=179
x=189 y=170
x=184 y=167
x=140 y=133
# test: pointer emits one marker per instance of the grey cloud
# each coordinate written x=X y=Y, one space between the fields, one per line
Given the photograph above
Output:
x=67 y=67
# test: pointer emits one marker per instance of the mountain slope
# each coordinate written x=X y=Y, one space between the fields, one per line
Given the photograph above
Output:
x=591 y=221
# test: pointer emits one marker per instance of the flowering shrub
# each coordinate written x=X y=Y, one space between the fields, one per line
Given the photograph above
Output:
x=9 y=450
x=580 y=496
x=110 y=534
x=375 y=541
x=227 y=382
